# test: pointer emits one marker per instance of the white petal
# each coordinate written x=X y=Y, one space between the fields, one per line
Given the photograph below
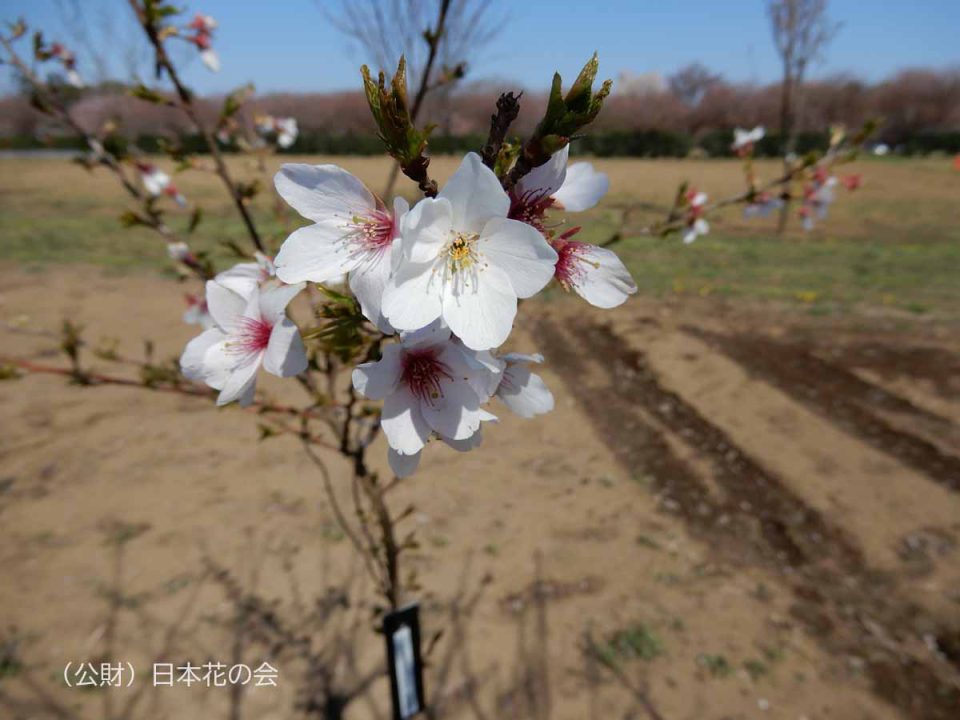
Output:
x=475 y=194
x=316 y=253
x=368 y=281
x=456 y=413
x=193 y=360
x=242 y=278
x=521 y=252
x=481 y=315
x=583 y=188
x=545 y=180
x=524 y=392
x=426 y=229
x=225 y=305
x=376 y=380
x=409 y=301
x=323 y=192
x=240 y=381
x=435 y=333
x=285 y=355
x=403 y=465
x=273 y=302
x=471 y=443
x=403 y=424
x=605 y=281
x=211 y=60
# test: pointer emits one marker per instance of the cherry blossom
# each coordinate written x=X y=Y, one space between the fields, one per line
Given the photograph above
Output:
x=285 y=129
x=244 y=278
x=247 y=332
x=818 y=195
x=428 y=386
x=521 y=390
x=464 y=261
x=744 y=140
x=69 y=62
x=554 y=185
x=203 y=27
x=156 y=182
x=197 y=312
x=696 y=223
x=762 y=205
x=594 y=273
x=353 y=233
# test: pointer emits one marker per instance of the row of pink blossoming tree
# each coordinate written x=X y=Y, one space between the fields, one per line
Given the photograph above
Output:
x=413 y=301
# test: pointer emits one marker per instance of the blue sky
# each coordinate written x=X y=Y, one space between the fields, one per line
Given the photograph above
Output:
x=290 y=45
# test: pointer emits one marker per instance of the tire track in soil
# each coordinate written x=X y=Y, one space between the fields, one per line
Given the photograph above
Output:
x=850 y=608
x=840 y=396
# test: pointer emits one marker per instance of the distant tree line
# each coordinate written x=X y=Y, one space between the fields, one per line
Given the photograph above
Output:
x=695 y=109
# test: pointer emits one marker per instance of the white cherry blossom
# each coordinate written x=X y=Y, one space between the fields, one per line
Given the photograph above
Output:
x=521 y=390
x=464 y=261
x=596 y=274
x=352 y=233
x=696 y=223
x=248 y=332
x=427 y=387
x=554 y=185
x=244 y=278
x=744 y=140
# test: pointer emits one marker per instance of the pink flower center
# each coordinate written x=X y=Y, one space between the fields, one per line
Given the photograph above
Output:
x=530 y=208
x=251 y=336
x=570 y=269
x=423 y=372
x=373 y=232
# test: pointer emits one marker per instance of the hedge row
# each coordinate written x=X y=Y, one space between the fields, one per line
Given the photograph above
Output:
x=611 y=143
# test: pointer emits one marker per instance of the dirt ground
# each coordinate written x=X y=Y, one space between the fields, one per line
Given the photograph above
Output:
x=744 y=513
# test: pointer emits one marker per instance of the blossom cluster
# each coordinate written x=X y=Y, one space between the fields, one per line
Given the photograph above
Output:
x=200 y=34
x=441 y=281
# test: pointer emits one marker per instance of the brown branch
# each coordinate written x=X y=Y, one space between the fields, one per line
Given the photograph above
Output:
x=508 y=107
x=187 y=106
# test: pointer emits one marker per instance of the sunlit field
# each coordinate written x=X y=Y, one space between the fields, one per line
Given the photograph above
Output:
x=746 y=502
x=894 y=243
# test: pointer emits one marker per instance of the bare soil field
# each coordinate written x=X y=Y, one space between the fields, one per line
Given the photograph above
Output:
x=746 y=503
x=742 y=513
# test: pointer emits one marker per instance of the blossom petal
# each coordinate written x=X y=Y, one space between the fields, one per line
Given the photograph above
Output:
x=273 y=302
x=241 y=379
x=368 y=281
x=316 y=253
x=285 y=355
x=193 y=361
x=467 y=445
x=225 y=305
x=403 y=465
x=583 y=188
x=323 y=192
x=242 y=278
x=409 y=302
x=403 y=423
x=605 y=282
x=455 y=414
x=481 y=315
x=426 y=229
x=475 y=194
x=546 y=179
x=524 y=392
x=376 y=380
x=521 y=252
